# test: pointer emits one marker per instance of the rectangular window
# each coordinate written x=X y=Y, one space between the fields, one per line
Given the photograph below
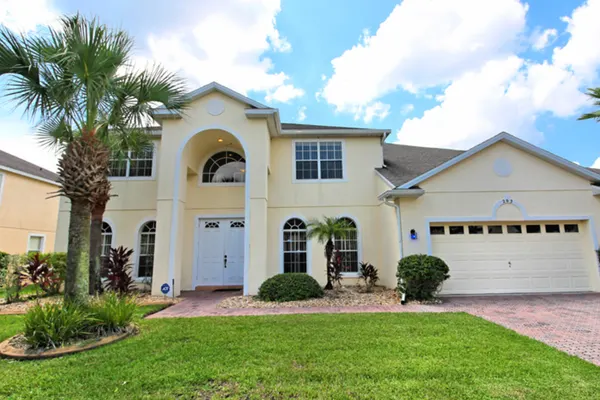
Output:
x=495 y=229
x=437 y=230
x=533 y=229
x=35 y=243
x=319 y=160
x=571 y=228
x=552 y=228
x=475 y=230
x=136 y=164
x=457 y=230
x=514 y=229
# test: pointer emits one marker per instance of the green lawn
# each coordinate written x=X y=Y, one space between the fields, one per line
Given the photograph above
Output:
x=407 y=356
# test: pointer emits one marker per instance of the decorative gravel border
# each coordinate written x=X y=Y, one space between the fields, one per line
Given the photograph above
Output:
x=344 y=297
x=9 y=351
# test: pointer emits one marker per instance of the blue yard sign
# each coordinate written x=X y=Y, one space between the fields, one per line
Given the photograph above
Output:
x=165 y=288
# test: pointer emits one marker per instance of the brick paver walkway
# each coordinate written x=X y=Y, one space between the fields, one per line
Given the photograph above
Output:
x=570 y=323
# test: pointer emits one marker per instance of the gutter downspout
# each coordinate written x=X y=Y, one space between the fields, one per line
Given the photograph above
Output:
x=400 y=243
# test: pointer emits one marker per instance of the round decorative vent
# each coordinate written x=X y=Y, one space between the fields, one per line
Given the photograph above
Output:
x=502 y=167
x=215 y=107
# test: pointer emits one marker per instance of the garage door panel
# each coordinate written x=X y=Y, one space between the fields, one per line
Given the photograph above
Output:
x=513 y=263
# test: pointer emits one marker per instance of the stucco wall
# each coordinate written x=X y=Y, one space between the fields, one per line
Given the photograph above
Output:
x=24 y=210
x=472 y=189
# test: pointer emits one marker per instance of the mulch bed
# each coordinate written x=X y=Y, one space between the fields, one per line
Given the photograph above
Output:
x=341 y=297
x=16 y=348
x=21 y=307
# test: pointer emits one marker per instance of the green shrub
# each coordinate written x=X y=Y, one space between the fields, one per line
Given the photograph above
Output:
x=420 y=276
x=53 y=325
x=290 y=287
x=112 y=312
x=4 y=258
x=12 y=280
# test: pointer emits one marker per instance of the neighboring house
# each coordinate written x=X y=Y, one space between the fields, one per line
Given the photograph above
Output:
x=27 y=217
x=224 y=198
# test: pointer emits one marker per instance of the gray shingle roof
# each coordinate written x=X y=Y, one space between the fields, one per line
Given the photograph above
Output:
x=404 y=163
x=286 y=125
x=10 y=161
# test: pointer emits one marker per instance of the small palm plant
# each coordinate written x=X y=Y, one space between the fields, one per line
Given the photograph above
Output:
x=327 y=231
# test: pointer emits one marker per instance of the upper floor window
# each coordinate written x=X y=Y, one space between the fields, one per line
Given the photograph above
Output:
x=224 y=167
x=319 y=160
x=136 y=164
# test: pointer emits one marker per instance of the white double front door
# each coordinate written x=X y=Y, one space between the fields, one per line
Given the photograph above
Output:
x=220 y=259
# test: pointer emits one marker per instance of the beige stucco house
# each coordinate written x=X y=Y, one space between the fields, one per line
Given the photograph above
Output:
x=224 y=198
x=27 y=217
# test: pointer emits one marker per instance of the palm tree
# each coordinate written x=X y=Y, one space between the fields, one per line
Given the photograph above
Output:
x=327 y=231
x=593 y=93
x=77 y=84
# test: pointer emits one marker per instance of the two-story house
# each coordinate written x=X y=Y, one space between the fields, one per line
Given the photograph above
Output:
x=224 y=198
x=27 y=216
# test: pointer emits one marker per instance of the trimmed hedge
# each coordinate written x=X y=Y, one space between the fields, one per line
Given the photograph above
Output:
x=290 y=287
x=420 y=276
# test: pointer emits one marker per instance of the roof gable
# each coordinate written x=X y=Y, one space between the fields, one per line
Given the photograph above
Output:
x=207 y=89
x=505 y=137
x=16 y=165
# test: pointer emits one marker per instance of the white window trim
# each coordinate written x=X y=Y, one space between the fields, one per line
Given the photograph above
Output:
x=43 y=241
x=308 y=244
x=2 y=179
x=358 y=246
x=344 y=172
x=137 y=178
x=224 y=184
x=112 y=230
x=136 y=252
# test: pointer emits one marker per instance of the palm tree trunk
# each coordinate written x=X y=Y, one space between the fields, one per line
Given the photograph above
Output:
x=328 y=255
x=77 y=279
x=96 y=247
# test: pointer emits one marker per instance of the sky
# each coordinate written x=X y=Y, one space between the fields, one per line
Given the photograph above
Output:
x=437 y=73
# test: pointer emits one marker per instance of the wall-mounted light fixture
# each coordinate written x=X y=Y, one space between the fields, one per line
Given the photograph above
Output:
x=220 y=140
x=413 y=234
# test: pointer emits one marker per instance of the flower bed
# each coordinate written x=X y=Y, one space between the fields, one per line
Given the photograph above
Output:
x=342 y=297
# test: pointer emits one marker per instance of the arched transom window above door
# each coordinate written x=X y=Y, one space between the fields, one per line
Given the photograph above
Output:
x=224 y=167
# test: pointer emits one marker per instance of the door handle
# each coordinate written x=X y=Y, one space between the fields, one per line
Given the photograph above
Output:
x=509 y=264
x=225 y=261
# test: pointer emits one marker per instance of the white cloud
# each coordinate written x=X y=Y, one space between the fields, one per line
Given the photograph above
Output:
x=301 y=114
x=440 y=40
x=596 y=163
x=284 y=94
x=581 y=54
x=377 y=110
x=17 y=138
x=407 y=109
x=227 y=43
x=542 y=39
x=25 y=16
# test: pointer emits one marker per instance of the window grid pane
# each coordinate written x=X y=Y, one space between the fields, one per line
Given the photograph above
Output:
x=294 y=246
x=224 y=167
x=106 y=242
x=348 y=248
x=146 y=255
x=319 y=160
x=140 y=163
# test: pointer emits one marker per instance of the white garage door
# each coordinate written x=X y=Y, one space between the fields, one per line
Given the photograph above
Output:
x=512 y=257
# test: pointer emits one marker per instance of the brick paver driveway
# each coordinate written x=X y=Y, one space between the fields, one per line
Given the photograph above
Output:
x=570 y=323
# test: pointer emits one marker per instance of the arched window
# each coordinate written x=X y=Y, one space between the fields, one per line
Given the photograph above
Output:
x=146 y=252
x=294 y=246
x=224 y=167
x=348 y=248
x=107 y=235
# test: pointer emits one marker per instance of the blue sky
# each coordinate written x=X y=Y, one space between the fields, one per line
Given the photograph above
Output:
x=445 y=73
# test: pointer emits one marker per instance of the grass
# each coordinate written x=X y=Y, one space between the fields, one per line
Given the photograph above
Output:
x=408 y=356
x=27 y=291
